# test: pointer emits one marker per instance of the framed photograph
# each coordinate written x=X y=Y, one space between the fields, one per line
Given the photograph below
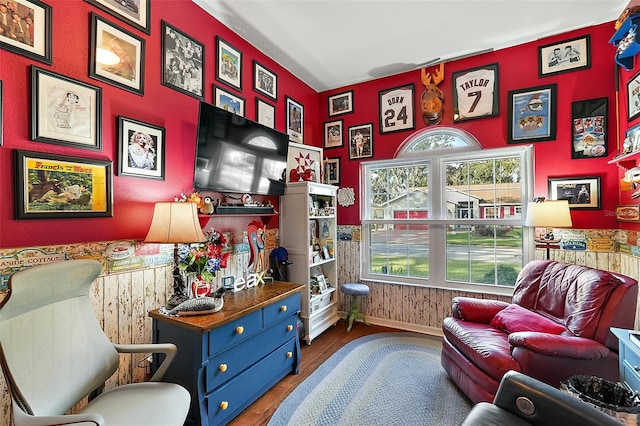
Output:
x=134 y=12
x=141 y=149
x=52 y=186
x=567 y=55
x=228 y=101
x=1 y=109
x=396 y=109
x=332 y=171
x=633 y=97
x=361 y=141
x=589 y=128
x=182 y=62
x=532 y=114
x=117 y=56
x=304 y=163
x=581 y=192
x=265 y=113
x=295 y=121
x=65 y=111
x=632 y=140
x=265 y=81
x=34 y=44
x=229 y=69
x=341 y=103
x=333 y=134
x=475 y=93
x=322 y=283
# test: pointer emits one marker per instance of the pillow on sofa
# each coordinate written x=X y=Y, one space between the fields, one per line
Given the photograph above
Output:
x=515 y=318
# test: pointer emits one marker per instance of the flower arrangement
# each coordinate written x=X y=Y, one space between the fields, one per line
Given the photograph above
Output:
x=204 y=259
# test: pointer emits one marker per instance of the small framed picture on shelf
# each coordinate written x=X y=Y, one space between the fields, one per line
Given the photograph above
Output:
x=325 y=253
x=322 y=283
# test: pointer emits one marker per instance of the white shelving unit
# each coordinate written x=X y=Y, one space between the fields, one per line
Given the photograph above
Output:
x=308 y=220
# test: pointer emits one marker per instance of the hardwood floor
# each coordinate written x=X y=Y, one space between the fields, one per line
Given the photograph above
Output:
x=321 y=348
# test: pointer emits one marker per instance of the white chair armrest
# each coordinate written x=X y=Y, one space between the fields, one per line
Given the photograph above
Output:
x=25 y=419
x=169 y=349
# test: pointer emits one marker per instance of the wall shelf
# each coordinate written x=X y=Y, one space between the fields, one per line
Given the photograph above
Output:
x=627 y=39
x=625 y=161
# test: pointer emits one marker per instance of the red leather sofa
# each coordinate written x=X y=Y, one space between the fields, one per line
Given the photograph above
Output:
x=556 y=325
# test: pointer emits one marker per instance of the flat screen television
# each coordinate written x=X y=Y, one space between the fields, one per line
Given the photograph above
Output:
x=238 y=155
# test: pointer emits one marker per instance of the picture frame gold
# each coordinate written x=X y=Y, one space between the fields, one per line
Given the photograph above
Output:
x=50 y=186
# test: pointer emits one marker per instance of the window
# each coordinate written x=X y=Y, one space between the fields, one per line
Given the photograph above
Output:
x=446 y=213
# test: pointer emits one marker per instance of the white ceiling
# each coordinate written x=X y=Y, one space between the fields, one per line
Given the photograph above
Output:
x=334 y=43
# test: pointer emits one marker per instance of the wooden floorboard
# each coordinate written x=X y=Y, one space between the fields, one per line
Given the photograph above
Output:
x=313 y=356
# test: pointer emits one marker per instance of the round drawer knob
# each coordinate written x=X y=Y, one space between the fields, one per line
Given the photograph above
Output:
x=283 y=308
x=289 y=354
x=224 y=405
x=223 y=367
x=289 y=327
x=239 y=329
x=635 y=367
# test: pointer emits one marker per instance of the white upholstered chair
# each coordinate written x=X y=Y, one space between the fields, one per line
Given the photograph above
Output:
x=54 y=353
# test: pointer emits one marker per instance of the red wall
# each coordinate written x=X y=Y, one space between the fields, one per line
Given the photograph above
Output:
x=162 y=106
x=518 y=69
x=177 y=112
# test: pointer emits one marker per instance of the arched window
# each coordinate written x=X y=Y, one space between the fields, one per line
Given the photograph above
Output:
x=445 y=212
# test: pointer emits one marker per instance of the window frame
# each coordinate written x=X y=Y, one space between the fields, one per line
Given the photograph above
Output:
x=436 y=161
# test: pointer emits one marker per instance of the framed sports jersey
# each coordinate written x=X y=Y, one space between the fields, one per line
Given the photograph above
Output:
x=475 y=93
x=532 y=114
x=396 y=109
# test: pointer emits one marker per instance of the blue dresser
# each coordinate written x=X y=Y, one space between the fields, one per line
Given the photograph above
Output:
x=230 y=358
x=629 y=355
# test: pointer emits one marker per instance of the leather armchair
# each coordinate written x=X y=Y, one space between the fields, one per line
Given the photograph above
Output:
x=522 y=400
x=54 y=353
x=556 y=325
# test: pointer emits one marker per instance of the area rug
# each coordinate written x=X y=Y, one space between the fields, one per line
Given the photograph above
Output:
x=380 y=379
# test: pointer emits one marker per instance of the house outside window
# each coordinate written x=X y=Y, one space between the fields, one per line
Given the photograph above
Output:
x=446 y=213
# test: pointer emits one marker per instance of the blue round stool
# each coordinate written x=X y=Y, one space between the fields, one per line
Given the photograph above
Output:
x=354 y=290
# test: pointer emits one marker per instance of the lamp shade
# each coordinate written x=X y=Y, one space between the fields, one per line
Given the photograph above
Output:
x=548 y=214
x=175 y=222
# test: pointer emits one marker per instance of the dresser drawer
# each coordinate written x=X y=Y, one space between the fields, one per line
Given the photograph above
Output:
x=631 y=368
x=226 y=365
x=281 y=309
x=226 y=402
x=234 y=332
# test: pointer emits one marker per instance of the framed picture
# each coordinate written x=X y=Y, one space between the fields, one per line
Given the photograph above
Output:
x=567 y=55
x=134 y=12
x=295 y=121
x=361 y=141
x=1 y=109
x=34 y=44
x=633 y=97
x=581 y=192
x=182 y=62
x=632 y=140
x=475 y=93
x=396 y=109
x=304 y=163
x=322 y=282
x=229 y=69
x=341 y=103
x=333 y=134
x=532 y=114
x=589 y=128
x=332 y=171
x=141 y=149
x=65 y=111
x=52 y=186
x=228 y=101
x=265 y=113
x=265 y=81
x=117 y=56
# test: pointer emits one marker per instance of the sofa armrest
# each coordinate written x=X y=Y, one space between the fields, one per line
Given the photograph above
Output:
x=476 y=310
x=559 y=345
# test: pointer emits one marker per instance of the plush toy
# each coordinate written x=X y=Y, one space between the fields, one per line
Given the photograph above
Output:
x=256 y=245
x=207 y=206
